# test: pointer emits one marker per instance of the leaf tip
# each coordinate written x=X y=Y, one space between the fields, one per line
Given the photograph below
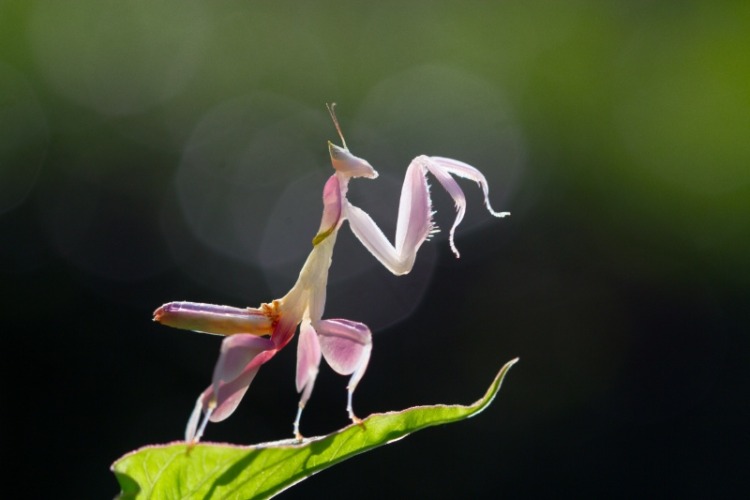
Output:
x=494 y=388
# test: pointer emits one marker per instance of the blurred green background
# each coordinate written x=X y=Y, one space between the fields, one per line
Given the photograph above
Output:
x=153 y=151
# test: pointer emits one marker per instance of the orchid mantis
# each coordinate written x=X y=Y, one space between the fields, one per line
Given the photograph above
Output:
x=255 y=335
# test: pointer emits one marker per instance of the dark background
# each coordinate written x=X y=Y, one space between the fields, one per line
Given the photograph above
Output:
x=157 y=151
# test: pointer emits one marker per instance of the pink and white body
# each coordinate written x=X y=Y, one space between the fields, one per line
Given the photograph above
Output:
x=255 y=335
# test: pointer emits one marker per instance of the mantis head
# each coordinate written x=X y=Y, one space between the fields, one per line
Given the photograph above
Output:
x=343 y=161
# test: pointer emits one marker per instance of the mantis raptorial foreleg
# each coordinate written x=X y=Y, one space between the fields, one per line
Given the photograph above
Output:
x=414 y=224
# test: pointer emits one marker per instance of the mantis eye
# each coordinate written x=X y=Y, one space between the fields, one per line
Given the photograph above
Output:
x=348 y=164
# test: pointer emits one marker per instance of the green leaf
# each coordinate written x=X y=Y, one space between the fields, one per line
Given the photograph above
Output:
x=210 y=470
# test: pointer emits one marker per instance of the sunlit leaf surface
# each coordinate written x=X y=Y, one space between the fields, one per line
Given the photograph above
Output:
x=210 y=470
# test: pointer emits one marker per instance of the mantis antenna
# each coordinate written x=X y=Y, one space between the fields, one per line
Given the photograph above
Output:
x=332 y=111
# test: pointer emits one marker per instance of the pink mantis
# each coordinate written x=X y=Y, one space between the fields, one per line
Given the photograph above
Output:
x=255 y=335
